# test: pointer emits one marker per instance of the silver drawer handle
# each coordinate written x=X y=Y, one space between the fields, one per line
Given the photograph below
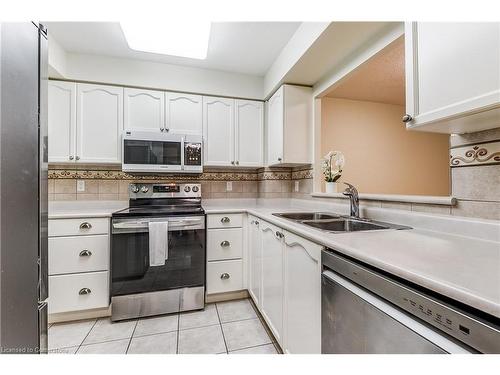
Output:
x=85 y=253
x=225 y=276
x=85 y=225
x=84 y=291
x=279 y=234
x=225 y=244
x=225 y=219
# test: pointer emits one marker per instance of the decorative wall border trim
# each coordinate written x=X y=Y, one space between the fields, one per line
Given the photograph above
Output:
x=95 y=174
x=478 y=154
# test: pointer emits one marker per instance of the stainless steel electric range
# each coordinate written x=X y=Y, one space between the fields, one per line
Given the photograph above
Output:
x=158 y=251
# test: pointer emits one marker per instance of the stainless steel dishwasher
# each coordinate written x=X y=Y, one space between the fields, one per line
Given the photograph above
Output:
x=366 y=311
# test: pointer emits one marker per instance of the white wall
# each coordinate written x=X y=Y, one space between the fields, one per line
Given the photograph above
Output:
x=57 y=59
x=139 y=73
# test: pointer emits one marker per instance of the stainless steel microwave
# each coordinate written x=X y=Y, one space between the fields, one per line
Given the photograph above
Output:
x=155 y=152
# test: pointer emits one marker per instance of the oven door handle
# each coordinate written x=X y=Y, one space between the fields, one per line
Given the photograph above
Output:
x=144 y=224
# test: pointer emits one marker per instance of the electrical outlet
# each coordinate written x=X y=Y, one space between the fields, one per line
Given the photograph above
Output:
x=296 y=186
x=80 y=185
x=229 y=186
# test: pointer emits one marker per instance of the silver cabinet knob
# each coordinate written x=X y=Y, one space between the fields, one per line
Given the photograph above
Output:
x=279 y=234
x=85 y=225
x=85 y=253
x=225 y=276
x=407 y=118
x=84 y=291
x=161 y=129
x=77 y=157
x=167 y=130
x=237 y=162
x=225 y=244
x=232 y=162
x=256 y=223
x=225 y=219
x=279 y=159
x=71 y=157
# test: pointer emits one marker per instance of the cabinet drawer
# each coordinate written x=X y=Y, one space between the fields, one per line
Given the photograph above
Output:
x=78 y=254
x=65 y=292
x=224 y=243
x=225 y=221
x=78 y=227
x=217 y=283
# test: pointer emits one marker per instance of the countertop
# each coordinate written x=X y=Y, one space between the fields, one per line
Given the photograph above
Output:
x=444 y=254
x=83 y=209
x=463 y=268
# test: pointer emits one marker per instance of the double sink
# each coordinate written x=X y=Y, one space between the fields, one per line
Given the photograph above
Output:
x=337 y=223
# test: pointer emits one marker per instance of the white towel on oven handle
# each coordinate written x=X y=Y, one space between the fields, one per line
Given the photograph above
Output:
x=158 y=242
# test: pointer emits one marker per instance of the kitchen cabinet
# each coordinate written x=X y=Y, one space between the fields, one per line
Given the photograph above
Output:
x=233 y=132
x=272 y=278
x=184 y=113
x=218 y=131
x=144 y=109
x=255 y=260
x=289 y=126
x=99 y=123
x=62 y=121
x=452 y=76
x=249 y=137
x=302 y=297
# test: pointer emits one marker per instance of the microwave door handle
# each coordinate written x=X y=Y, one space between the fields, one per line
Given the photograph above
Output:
x=182 y=153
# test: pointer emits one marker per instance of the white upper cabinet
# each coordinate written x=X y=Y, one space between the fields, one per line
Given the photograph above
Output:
x=218 y=131
x=144 y=109
x=249 y=137
x=289 y=126
x=452 y=76
x=62 y=121
x=272 y=278
x=302 y=327
x=99 y=123
x=184 y=113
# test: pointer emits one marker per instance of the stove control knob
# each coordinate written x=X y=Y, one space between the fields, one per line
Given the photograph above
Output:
x=187 y=189
x=144 y=189
x=134 y=189
x=195 y=189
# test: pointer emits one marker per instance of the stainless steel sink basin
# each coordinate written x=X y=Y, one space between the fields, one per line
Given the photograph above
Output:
x=345 y=225
x=337 y=223
x=300 y=216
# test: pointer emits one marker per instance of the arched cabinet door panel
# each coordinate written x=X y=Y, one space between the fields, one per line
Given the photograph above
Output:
x=144 y=109
x=184 y=113
x=62 y=121
x=218 y=131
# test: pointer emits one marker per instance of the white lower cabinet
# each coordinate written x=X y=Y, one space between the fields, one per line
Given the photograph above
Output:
x=80 y=291
x=284 y=281
x=302 y=302
x=224 y=276
x=272 y=279
x=78 y=267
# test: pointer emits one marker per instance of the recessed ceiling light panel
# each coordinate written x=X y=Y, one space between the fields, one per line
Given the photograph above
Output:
x=182 y=39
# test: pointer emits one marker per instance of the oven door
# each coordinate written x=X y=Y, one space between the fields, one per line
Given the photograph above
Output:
x=184 y=266
x=143 y=155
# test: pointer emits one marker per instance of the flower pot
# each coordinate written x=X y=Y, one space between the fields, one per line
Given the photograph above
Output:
x=331 y=187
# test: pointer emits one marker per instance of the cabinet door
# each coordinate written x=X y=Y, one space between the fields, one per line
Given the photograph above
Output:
x=452 y=71
x=302 y=332
x=254 y=260
x=275 y=128
x=272 y=278
x=144 y=109
x=184 y=113
x=99 y=123
x=62 y=121
x=249 y=133
x=218 y=131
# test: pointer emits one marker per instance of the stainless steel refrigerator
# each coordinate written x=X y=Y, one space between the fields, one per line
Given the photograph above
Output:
x=23 y=188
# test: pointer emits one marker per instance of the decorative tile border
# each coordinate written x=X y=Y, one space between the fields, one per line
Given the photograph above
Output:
x=477 y=154
x=260 y=175
x=302 y=175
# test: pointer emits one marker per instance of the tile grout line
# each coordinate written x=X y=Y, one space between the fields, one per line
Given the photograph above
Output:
x=131 y=336
x=253 y=346
x=222 y=330
x=87 y=335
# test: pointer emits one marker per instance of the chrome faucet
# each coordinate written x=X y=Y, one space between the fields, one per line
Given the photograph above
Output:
x=352 y=193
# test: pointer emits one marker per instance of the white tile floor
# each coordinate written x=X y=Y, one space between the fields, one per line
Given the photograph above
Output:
x=225 y=327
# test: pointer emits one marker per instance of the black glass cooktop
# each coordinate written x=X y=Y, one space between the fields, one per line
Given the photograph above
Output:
x=161 y=207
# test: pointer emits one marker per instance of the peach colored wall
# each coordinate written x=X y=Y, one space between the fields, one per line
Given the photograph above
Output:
x=381 y=155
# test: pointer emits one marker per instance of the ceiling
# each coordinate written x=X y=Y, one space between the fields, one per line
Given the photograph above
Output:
x=240 y=47
x=381 y=79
